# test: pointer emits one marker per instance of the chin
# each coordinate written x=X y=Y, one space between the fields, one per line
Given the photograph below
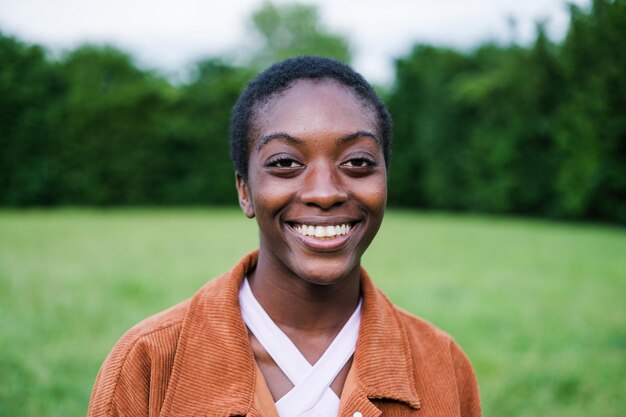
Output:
x=326 y=271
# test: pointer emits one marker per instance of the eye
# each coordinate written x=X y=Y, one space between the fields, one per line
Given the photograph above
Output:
x=283 y=163
x=360 y=162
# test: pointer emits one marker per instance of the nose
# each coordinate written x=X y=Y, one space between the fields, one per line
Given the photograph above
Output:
x=323 y=187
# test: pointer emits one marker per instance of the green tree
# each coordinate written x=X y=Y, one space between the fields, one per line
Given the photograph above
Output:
x=108 y=121
x=28 y=87
x=196 y=165
x=514 y=92
x=429 y=132
x=591 y=125
x=294 y=29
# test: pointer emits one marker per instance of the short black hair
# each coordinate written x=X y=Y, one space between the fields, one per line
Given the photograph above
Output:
x=280 y=77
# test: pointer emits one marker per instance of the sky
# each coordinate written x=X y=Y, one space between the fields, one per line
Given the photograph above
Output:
x=170 y=35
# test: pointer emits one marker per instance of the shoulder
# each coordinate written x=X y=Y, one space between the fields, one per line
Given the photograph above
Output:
x=416 y=329
x=134 y=378
x=429 y=340
x=142 y=360
x=435 y=352
x=419 y=327
x=157 y=333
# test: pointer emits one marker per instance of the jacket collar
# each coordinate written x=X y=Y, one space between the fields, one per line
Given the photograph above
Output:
x=214 y=370
x=383 y=359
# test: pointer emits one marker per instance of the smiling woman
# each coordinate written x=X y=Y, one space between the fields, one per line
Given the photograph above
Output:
x=317 y=165
x=296 y=328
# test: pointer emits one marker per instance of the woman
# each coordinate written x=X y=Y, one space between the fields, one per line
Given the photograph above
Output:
x=296 y=328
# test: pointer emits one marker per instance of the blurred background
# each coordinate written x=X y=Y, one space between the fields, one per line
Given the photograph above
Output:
x=507 y=187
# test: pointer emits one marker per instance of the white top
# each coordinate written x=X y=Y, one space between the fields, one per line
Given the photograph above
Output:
x=311 y=395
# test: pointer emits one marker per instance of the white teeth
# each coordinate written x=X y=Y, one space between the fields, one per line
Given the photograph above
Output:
x=323 y=231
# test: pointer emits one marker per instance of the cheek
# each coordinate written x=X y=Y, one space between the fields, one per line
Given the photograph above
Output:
x=271 y=197
x=372 y=194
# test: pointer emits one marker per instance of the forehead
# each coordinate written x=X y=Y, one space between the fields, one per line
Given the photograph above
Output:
x=310 y=106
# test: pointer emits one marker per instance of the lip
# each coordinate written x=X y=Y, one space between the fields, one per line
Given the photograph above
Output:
x=324 y=221
x=324 y=245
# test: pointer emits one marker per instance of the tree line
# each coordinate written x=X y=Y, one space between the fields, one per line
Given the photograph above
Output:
x=536 y=130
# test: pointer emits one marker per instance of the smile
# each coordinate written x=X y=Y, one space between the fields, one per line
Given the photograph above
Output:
x=323 y=232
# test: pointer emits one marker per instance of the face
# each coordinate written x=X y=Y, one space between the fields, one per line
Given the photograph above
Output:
x=317 y=181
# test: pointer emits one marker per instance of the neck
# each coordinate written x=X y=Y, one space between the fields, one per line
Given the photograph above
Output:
x=295 y=304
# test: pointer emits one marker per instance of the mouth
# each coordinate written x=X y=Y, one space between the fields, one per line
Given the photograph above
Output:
x=325 y=237
x=323 y=232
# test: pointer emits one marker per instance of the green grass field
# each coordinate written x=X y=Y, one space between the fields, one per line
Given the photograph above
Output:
x=539 y=307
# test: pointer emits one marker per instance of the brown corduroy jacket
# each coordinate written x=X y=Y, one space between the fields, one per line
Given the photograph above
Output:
x=195 y=360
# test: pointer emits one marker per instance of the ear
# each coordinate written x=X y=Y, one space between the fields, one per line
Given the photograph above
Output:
x=244 y=196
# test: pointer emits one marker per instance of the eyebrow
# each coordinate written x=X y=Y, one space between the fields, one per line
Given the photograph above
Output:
x=344 y=139
x=280 y=135
x=359 y=134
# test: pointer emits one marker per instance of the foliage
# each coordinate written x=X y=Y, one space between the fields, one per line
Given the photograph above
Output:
x=107 y=126
x=28 y=86
x=536 y=130
x=294 y=29
x=428 y=129
x=196 y=166
x=94 y=129
x=591 y=129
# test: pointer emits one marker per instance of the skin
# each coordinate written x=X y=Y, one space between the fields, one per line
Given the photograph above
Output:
x=315 y=159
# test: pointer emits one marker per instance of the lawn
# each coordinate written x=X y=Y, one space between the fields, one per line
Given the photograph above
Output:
x=539 y=307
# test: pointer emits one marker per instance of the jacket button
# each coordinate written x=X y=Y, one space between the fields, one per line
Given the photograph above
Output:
x=357 y=414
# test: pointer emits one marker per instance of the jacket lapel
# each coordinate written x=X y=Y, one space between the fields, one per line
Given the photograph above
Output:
x=214 y=368
x=383 y=362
